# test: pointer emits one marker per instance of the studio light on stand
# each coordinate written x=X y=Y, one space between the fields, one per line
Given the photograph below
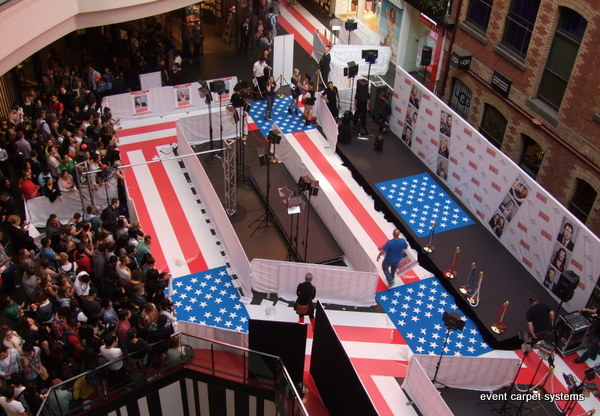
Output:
x=206 y=94
x=450 y=272
x=311 y=188
x=295 y=204
x=218 y=87
x=545 y=352
x=428 y=247
x=264 y=221
x=453 y=322
x=351 y=25
x=370 y=56
x=351 y=71
x=239 y=100
x=274 y=139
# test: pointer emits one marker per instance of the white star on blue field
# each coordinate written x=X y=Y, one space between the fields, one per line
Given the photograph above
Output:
x=287 y=123
x=209 y=298
x=416 y=309
x=420 y=200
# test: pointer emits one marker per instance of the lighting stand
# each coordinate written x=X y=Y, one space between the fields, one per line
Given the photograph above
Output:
x=220 y=119
x=544 y=349
x=264 y=221
x=207 y=95
x=507 y=405
x=452 y=321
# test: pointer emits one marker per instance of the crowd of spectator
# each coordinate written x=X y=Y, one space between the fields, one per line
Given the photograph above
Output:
x=87 y=292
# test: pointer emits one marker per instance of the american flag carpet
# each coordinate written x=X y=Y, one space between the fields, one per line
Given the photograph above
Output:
x=416 y=309
x=209 y=298
x=287 y=123
x=420 y=200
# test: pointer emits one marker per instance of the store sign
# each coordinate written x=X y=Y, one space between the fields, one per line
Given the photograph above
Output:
x=501 y=84
x=460 y=60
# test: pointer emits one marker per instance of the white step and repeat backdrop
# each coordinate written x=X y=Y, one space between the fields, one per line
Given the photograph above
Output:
x=540 y=232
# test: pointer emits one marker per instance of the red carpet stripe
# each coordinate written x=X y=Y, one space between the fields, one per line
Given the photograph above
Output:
x=376 y=397
x=302 y=20
x=351 y=201
x=532 y=362
x=143 y=214
x=376 y=367
x=146 y=129
x=288 y=27
x=177 y=216
x=356 y=208
x=368 y=334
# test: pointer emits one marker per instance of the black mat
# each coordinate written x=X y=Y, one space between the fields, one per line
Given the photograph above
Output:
x=505 y=278
x=320 y=247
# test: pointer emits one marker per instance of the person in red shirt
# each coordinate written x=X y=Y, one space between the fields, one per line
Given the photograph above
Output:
x=73 y=340
x=123 y=325
x=56 y=106
x=29 y=189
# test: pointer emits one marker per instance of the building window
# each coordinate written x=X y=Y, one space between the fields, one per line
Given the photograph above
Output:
x=478 y=14
x=461 y=98
x=583 y=200
x=563 y=52
x=519 y=26
x=532 y=156
x=493 y=125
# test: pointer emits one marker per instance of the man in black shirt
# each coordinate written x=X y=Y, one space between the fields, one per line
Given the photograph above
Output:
x=324 y=65
x=540 y=319
x=110 y=214
x=332 y=98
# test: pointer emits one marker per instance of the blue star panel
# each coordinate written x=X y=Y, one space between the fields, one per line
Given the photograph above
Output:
x=287 y=123
x=420 y=200
x=209 y=298
x=417 y=308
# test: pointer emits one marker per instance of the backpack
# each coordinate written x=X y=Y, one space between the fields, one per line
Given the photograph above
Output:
x=71 y=274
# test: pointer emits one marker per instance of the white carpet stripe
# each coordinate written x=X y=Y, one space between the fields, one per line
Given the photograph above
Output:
x=159 y=216
x=201 y=230
x=394 y=395
x=371 y=350
x=302 y=31
x=146 y=137
x=311 y=19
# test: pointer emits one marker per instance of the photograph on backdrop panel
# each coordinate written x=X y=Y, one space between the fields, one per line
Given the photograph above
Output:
x=415 y=96
x=551 y=278
x=443 y=148
x=568 y=234
x=508 y=207
x=445 y=123
x=442 y=168
x=498 y=223
x=411 y=115
x=560 y=258
x=407 y=134
x=519 y=190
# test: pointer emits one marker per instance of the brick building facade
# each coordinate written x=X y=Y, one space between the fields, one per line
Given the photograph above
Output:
x=543 y=110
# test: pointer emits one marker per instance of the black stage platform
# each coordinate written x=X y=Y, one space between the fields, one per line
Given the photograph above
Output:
x=504 y=277
x=322 y=247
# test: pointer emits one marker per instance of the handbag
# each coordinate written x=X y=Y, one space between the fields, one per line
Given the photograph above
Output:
x=43 y=372
x=301 y=309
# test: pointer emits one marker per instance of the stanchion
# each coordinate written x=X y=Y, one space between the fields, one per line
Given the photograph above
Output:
x=450 y=272
x=466 y=289
x=473 y=298
x=428 y=247
x=499 y=326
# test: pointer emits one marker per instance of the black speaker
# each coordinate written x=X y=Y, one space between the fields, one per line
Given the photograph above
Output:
x=426 y=53
x=351 y=25
x=567 y=283
x=378 y=144
x=362 y=90
x=377 y=88
x=345 y=128
x=351 y=70
x=218 y=86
